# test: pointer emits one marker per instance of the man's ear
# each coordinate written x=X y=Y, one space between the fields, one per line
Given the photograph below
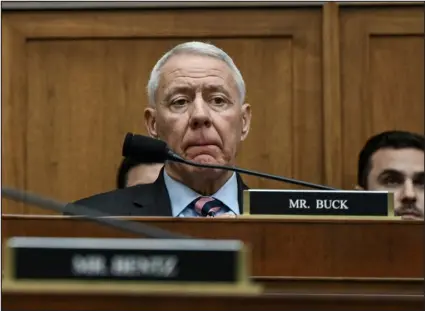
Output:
x=246 y=120
x=357 y=187
x=150 y=121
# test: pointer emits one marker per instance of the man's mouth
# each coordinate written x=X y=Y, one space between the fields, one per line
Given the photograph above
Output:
x=199 y=149
x=409 y=213
x=201 y=144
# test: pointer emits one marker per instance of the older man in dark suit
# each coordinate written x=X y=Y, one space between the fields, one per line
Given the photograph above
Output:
x=197 y=106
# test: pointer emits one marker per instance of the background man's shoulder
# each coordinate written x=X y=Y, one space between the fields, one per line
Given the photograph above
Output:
x=116 y=202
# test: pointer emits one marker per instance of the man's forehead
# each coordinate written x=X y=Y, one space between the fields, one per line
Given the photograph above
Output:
x=408 y=160
x=195 y=66
x=204 y=85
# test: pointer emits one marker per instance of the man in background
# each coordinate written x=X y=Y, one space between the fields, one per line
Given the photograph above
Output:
x=131 y=173
x=394 y=161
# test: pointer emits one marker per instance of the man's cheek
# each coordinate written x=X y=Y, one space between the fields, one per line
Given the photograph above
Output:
x=397 y=200
x=167 y=129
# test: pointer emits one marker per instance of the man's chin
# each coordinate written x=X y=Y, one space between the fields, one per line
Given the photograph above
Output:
x=206 y=172
x=409 y=214
x=204 y=159
x=411 y=217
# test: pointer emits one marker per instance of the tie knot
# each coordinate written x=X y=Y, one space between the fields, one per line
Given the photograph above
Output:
x=207 y=206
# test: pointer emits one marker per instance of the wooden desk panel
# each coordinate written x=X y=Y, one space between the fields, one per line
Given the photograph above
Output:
x=295 y=248
x=186 y=302
x=357 y=286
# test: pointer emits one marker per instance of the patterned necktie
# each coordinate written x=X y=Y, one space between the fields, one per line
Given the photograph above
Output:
x=207 y=206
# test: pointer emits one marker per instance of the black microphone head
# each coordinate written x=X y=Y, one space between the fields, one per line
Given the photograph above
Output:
x=145 y=149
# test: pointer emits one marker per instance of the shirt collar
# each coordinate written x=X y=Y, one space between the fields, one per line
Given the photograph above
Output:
x=181 y=195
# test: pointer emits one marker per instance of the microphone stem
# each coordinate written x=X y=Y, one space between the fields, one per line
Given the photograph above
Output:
x=139 y=229
x=253 y=173
x=284 y=179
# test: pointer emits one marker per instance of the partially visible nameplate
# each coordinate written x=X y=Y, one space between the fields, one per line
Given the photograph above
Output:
x=318 y=203
x=146 y=260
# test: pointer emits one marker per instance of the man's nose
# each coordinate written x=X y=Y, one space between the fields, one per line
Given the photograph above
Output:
x=408 y=191
x=200 y=114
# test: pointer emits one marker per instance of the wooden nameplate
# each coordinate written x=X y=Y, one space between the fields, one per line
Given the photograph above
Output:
x=329 y=204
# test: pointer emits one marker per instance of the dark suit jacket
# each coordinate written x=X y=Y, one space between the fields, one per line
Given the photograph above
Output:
x=141 y=200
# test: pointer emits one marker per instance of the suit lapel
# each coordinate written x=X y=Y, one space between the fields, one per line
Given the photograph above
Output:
x=152 y=199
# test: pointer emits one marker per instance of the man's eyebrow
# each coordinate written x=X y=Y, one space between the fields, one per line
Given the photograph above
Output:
x=187 y=87
x=390 y=171
x=416 y=175
x=217 y=88
x=180 y=87
x=176 y=88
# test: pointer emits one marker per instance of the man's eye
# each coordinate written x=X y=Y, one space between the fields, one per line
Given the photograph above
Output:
x=419 y=182
x=217 y=100
x=179 y=102
x=392 y=181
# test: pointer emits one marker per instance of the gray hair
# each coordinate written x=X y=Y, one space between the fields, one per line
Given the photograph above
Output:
x=194 y=48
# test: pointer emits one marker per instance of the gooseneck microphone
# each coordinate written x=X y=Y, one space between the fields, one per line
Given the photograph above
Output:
x=150 y=150
x=91 y=214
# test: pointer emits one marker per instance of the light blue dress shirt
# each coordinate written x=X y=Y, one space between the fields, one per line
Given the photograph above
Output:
x=181 y=196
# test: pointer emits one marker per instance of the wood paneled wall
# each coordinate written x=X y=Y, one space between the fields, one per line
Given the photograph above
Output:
x=320 y=80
